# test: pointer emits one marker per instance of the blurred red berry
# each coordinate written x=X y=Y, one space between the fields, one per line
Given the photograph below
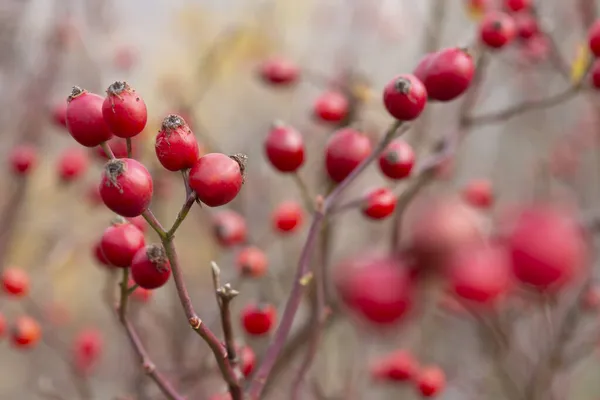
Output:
x=431 y=381
x=229 y=228
x=59 y=114
x=288 y=217
x=595 y=73
x=25 y=332
x=527 y=25
x=87 y=348
x=120 y=242
x=379 y=203
x=397 y=160
x=15 y=282
x=150 y=267
x=2 y=325
x=344 y=151
x=331 y=107
x=398 y=366
x=594 y=38
x=84 y=118
x=279 y=71
x=247 y=360
x=497 y=29
x=124 y=111
x=217 y=178
x=252 y=261
x=258 y=320
x=517 y=5
x=125 y=58
x=176 y=146
x=126 y=187
x=99 y=255
x=478 y=193
x=72 y=164
x=446 y=74
x=405 y=97
x=23 y=159
x=284 y=147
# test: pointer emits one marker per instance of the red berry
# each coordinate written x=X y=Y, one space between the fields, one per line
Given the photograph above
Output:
x=480 y=273
x=84 y=118
x=15 y=282
x=594 y=38
x=279 y=71
x=139 y=222
x=517 y=5
x=125 y=58
x=22 y=159
x=331 y=107
x=287 y=217
x=547 y=247
x=217 y=178
x=397 y=160
x=150 y=267
x=379 y=203
x=398 y=366
x=527 y=25
x=176 y=146
x=497 y=29
x=25 y=332
x=99 y=255
x=126 y=187
x=344 y=151
x=284 y=147
x=87 y=348
x=73 y=163
x=252 y=261
x=478 y=193
x=247 y=360
x=120 y=242
x=595 y=74
x=2 y=325
x=229 y=228
x=258 y=320
x=59 y=114
x=447 y=73
x=405 y=97
x=124 y=111
x=118 y=147
x=431 y=381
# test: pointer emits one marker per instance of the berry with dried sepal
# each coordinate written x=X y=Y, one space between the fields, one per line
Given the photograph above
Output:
x=405 y=97
x=84 y=118
x=120 y=242
x=124 y=111
x=217 y=178
x=176 y=146
x=126 y=187
x=397 y=160
x=252 y=262
x=150 y=267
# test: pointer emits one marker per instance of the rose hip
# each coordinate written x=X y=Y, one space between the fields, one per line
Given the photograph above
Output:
x=176 y=146
x=120 y=242
x=258 y=320
x=252 y=262
x=150 y=267
x=497 y=29
x=284 y=148
x=25 y=332
x=405 y=97
x=447 y=73
x=217 y=178
x=344 y=151
x=23 y=159
x=397 y=160
x=126 y=187
x=379 y=203
x=279 y=71
x=84 y=118
x=124 y=111
x=229 y=227
x=15 y=282
x=288 y=217
x=331 y=107
x=72 y=164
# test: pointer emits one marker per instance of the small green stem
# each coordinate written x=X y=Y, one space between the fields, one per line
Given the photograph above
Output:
x=132 y=289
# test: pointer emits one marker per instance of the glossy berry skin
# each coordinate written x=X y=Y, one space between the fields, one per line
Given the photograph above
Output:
x=99 y=255
x=431 y=381
x=23 y=159
x=331 y=107
x=379 y=203
x=124 y=111
x=176 y=146
x=258 y=320
x=344 y=151
x=25 y=332
x=278 y=71
x=73 y=163
x=87 y=349
x=287 y=217
x=397 y=160
x=247 y=360
x=517 y=5
x=497 y=29
x=150 y=267
x=118 y=147
x=398 y=366
x=405 y=97
x=479 y=193
x=126 y=187
x=527 y=26
x=284 y=147
x=120 y=242
x=594 y=38
x=252 y=262
x=547 y=247
x=229 y=228
x=84 y=118
x=15 y=282
x=595 y=74
x=446 y=74
x=217 y=178
x=59 y=114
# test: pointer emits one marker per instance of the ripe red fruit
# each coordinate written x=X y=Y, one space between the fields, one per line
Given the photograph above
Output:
x=176 y=146
x=379 y=203
x=446 y=74
x=547 y=247
x=284 y=147
x=59 y=114
x=344 y=151
x=87 y=348
x=378 y=288
x=594 y=38
x=118 y=147
x=527 y=25
x=595 y=74
x=217 y=178
x=247 y=360
x=397 y=160
x=229 y=228
x=497 y=29
x=258 y=320
x=126 y=187
x=398 y=366
x=25 y=332
x=431 y=381
x=478 y=193
x=2 y=325
x=279 y=71
x=125 y=58
x=120 y=242
x=252 y=262
x=150 y=267
x=288 y=217
x=139 y=222
x=405 y=97
x=23 y=159
x=480 y=273
x=331 y=107
x=517 y=5
x=124 y=111
x=15 y=282
x=72 y=163
x=84 y=118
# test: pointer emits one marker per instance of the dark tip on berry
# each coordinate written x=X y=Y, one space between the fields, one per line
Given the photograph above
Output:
x=497 y=25
x=75 y=92
x=113 y=169
x=402 y=85
x=241 y=159
x=157 y=256
x=117 y=88
x=172 y=122
x=392 y=157
x=118 y=220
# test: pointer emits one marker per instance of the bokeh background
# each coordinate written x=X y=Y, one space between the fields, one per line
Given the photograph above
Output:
x=200 y=57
